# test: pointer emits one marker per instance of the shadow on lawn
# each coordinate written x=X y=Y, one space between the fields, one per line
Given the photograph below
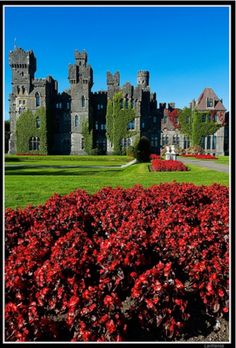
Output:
x=66 y=172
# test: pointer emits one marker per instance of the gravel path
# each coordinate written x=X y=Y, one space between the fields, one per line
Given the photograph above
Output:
x=206 y=164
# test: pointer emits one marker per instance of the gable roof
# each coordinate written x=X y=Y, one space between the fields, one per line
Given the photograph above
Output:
x=201 y=103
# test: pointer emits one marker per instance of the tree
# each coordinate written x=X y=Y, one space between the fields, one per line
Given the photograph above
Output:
x=117 y=119
x=197 y=124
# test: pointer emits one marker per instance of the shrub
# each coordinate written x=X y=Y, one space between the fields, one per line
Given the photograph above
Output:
x=89 y=268
x=158 y=165
x=143 y=150
x=154 y=156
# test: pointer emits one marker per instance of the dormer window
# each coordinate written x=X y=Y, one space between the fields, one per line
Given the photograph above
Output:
x=209 y=102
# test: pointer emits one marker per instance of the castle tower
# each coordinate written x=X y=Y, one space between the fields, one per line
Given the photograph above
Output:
x=143 y=78
x=113 y=84
x=23 y=66
x=81 y=82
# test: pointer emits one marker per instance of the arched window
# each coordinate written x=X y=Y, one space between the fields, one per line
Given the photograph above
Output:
x=23 y=89
x=38 y=123
x=34 y=143
x=37 y=99
x=83 y=101
x=76 y=121
x=18 y=89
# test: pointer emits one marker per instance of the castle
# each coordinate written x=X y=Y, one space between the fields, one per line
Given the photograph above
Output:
x=60 y=132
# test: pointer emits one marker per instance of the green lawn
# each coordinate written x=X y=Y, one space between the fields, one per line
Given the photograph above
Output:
x=66 y=160
x=24 y=186
x=223 y=159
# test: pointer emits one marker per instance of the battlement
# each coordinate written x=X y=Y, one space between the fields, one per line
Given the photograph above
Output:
x=104 y=93
x=81 y=58
x=20 y=58
x=113 y=80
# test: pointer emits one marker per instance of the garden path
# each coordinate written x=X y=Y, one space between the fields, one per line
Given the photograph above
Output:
x=207 y=164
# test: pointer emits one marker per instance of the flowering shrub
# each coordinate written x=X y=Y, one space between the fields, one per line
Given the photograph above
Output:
x=200 y=156
x=188 y=155
x=206 y=157
x=87 y=267
x=158 y=165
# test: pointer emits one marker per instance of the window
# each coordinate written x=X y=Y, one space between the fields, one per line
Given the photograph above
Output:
x=126 y=103
x=209 y=102
x=175 y=139
x=131 y=125
x=129 y=141
x=34 y=143
x=187 y=119
x=214 y=142
x=96 y=125
x=103 y=126
x=98 y=107
x=37 y=122
x=202 y=142
x=164 y=119
x=121 y=103
x=215 y=117
x=101 y=106
x=83 y=101
x=23 y=102
x=18 y=89
x=68 y=105
x=154 y=119
x=165 y=139
x=203 y=118
x=82 y=143
x=76 y=121
x=37 y=99
x=132 y=103
x=208 y=142
x=154 y=141
x=23 y=89
x=143 y=125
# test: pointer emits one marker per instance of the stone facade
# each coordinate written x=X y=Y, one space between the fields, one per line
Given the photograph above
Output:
x=216 y=144
x=67 y=111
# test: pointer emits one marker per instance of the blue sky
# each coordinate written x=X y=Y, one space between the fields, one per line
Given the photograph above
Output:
x=185 y=48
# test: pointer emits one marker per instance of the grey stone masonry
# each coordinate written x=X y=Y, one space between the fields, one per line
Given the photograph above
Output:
x=67 y=111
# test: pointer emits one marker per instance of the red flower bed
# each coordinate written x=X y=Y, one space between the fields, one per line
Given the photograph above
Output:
x=200 y=156
x=158 y=165
x=205 y=157
x=90 y=267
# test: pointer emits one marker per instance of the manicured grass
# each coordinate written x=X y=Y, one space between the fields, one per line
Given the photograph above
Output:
x=66 y=160
x=223 y=159
x=24 y=186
